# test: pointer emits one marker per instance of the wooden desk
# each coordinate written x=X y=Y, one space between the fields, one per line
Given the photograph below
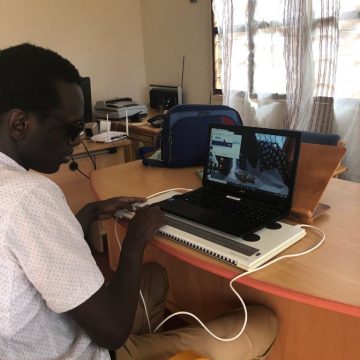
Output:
x=316 y=297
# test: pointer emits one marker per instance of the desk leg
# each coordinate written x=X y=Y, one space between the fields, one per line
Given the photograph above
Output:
x=129 y=153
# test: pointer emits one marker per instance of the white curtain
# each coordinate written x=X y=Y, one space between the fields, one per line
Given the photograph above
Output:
x=294 y=64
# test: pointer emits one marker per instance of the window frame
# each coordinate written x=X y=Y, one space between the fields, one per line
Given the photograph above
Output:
x=348 y=15
x=214 y=33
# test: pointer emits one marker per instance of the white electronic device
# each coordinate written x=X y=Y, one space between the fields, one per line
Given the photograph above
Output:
x=109 y=136
x=116 y=109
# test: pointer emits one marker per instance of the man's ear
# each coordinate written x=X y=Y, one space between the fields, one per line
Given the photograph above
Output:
x=18 y=123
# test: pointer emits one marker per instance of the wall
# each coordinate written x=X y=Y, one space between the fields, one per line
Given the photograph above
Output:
x=171 y=29
x=108 y=40
x=102 y=38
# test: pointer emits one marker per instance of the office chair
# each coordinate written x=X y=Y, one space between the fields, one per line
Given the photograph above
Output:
x=317 y=138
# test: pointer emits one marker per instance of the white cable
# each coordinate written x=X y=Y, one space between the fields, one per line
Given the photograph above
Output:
x=204 y=326
x=238 y=295
x=231 y=281
x=116 y=234
x=165 y=191
x=141 y=294
x=119 y=244
x=146 y=312
x=289 y=255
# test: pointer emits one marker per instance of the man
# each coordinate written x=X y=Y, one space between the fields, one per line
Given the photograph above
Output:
x=54 y=303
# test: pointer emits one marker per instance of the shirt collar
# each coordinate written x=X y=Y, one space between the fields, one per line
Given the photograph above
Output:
x=9 y=162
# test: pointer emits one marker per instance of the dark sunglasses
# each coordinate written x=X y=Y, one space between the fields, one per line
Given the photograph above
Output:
x=73 y=130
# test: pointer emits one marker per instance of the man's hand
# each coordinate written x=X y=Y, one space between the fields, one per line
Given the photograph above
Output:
x=107 y=208
x=102 y=210
x=144 y=225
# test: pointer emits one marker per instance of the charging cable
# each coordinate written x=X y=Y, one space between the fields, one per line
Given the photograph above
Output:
x=168 y=190
x=119 y=244
x=141 y=294
x=313 y=248
x=320 y=242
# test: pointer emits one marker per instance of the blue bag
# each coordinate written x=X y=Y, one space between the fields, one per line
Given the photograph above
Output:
x=184 y=135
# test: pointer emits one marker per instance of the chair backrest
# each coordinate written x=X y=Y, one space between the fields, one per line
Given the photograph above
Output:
x=317 y=138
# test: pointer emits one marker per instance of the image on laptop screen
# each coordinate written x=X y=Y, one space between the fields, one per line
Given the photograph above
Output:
x=251 y=160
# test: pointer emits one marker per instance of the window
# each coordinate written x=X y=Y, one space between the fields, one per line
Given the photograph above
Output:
x=217 y=63
x=348 y=62
x=258 y=48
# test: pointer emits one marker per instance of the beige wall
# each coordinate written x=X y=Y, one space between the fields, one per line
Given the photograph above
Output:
x=108 y=40
x=171 y=29
x=103 y=38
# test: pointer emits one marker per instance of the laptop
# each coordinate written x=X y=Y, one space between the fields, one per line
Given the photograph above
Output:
x=248 y=181
x=225 y=247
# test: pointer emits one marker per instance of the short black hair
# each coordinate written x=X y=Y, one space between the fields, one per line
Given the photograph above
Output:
x=28 y=76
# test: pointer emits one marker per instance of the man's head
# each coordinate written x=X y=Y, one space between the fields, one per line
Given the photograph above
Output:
x=41 y=107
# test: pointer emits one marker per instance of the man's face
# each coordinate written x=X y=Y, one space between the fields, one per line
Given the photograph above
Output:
x=50 y=140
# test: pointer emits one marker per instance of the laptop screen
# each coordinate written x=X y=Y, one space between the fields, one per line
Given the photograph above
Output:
x=253 y=161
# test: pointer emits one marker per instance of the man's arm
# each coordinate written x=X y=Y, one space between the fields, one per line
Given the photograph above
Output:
x=102 y=210
x=108 y=315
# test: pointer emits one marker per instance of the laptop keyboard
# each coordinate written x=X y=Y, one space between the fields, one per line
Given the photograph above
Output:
x=228 y=206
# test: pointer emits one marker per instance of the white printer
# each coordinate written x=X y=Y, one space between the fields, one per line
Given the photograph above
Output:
x=117 y=108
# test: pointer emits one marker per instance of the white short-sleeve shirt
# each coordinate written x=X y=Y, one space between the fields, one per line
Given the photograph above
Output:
x=46 y=269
